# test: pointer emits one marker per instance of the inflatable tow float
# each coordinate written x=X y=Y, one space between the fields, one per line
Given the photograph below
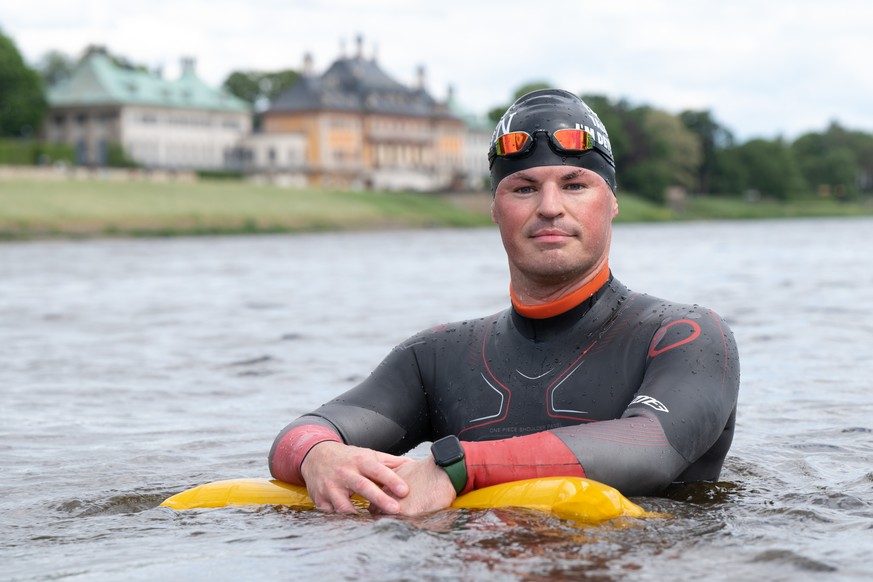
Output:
x=574 y=498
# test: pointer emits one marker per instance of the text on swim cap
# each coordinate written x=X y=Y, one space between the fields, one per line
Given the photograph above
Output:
x=502 y=126
x=599 y=136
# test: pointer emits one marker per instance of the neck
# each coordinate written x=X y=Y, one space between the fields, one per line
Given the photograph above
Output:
x=564 y=302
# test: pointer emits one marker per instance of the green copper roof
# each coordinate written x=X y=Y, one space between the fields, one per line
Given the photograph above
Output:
x=98 y=81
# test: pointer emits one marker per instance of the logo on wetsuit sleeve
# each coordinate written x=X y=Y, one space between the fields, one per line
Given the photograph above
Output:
x=649 y=401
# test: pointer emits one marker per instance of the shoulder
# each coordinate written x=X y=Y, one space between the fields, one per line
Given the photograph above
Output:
x=658 y=312
x=667 y=324
x=455 y=331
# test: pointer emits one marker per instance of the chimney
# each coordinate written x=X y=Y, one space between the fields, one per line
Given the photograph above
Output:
x=189 y=65
x=359 y=40
x=421 y=77
x=97 y=49
x=307 y=64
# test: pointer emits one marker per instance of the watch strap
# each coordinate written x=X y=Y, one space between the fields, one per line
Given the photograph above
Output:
x=457 y=474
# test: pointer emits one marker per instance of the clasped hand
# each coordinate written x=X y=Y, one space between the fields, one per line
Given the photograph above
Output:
x=395 y=485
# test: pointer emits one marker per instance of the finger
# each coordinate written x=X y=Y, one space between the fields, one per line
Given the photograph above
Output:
x=389 y=479
x=379 y=500
x=339 y=502
x=332 y=499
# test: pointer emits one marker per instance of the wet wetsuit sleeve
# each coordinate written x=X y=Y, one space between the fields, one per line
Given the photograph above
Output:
x=293 y=444
x=679 y=424
x=386 y=412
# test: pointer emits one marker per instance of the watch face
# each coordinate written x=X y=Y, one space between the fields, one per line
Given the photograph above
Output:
x=447 y=451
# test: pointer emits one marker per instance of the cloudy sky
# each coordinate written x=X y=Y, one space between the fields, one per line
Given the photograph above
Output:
x=764 y=68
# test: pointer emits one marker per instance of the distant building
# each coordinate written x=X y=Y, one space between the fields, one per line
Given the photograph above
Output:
x=158 y=123
x=362 y=128
x=477 y=140
x=276 y=158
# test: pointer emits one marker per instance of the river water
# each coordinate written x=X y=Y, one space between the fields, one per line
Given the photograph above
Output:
x=133 y=369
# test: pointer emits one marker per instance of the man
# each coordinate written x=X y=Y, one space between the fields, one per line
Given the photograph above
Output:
x=580 y=377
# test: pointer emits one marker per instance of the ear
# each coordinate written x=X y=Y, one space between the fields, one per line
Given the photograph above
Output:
x=614 y=206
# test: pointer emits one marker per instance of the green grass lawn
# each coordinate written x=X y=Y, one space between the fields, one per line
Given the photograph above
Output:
x=32 y=208
x=93 y=207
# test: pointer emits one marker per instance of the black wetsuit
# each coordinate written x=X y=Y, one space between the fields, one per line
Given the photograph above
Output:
x=642 y=391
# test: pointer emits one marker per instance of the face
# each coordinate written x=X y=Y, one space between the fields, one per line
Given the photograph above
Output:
x=556 y=225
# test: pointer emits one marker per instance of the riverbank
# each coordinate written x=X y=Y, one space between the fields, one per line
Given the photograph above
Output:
x=87 y=208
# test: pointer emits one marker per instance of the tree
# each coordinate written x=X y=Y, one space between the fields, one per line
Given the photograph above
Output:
x=259 y=88
x=714 y=139
x=770 y=168
x=662 y=153
x=22 y=103
x=837 y=161
x=55 y=66
x=827 y=167
x=729 y=176
x=613 y=115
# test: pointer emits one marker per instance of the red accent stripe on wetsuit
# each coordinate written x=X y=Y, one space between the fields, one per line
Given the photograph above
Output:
x=528 y=457
x=659 y=335
x=724 y=346
x=565 y=303
x=504 y=407
x=293 y=448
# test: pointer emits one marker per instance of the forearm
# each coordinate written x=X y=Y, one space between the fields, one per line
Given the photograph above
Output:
x=528 y=457
x=630 y=454
x=293 y=444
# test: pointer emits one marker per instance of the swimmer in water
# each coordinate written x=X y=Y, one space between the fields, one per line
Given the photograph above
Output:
x=580 y=376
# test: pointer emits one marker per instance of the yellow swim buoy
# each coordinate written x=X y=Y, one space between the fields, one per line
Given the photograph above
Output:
x=574 y=498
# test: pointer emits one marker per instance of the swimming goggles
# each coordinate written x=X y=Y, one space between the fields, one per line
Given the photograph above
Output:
x=518 y=143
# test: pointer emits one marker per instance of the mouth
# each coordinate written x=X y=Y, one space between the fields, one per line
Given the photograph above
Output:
x=550 y=236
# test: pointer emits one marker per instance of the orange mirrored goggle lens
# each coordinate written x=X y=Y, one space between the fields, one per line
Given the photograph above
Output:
x=574 y=139
x=512 y=143
x=570 y=140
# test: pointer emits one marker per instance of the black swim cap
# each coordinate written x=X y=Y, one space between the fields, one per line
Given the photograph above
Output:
x=539 y=114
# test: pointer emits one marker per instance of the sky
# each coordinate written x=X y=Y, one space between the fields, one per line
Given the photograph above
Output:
x=776 y=68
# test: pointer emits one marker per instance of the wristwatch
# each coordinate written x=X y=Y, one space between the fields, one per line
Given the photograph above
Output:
x=449 y=454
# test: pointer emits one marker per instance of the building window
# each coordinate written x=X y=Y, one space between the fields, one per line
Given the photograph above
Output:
x=102 y=152
x=81 y=152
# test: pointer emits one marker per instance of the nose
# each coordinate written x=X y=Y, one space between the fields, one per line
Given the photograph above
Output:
x=551 y=204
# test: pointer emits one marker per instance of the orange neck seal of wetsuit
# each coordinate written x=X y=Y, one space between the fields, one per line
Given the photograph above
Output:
x=562 y=304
